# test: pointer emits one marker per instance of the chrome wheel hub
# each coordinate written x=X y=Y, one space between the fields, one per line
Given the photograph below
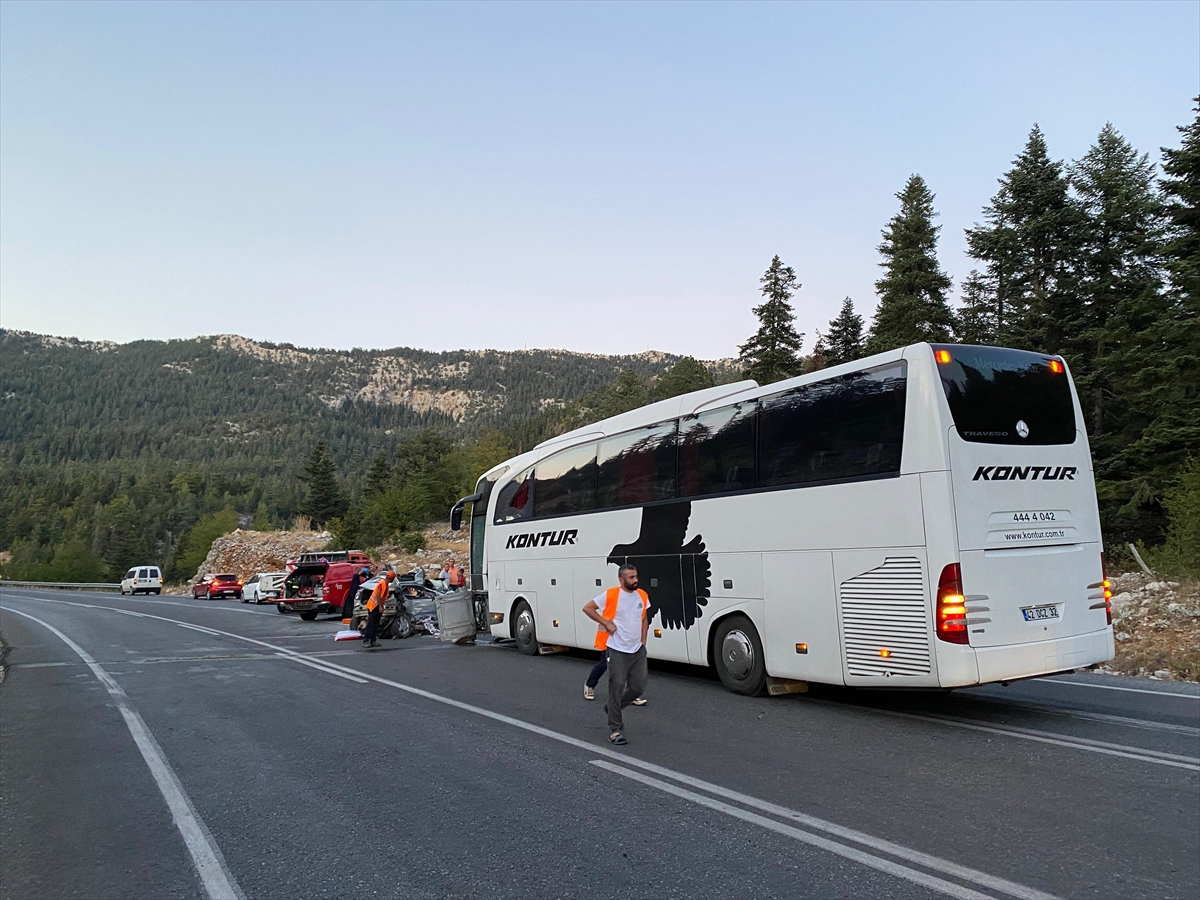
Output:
x=738 y=654
x=525 y=626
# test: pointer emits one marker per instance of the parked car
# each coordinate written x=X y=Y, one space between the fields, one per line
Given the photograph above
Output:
x=317 y=587
x=211 y=586
x=264 y=586
x=143 y=579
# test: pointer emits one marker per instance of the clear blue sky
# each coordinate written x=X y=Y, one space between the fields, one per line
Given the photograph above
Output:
x=601 y=178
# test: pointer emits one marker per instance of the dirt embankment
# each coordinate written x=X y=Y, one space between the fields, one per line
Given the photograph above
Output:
x=1157 y=627
x=245 y=553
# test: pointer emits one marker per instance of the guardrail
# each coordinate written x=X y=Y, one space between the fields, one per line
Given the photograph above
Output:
x=61 y=585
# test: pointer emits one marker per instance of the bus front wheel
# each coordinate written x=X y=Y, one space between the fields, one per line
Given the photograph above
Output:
x=738 y=656
x=524 y=629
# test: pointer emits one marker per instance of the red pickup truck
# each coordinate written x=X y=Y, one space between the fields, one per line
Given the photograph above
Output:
x=313 y=588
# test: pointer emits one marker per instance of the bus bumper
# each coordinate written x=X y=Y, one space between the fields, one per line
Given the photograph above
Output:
x=1044 y=657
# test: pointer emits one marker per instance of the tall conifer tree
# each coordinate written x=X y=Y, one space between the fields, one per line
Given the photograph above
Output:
x=1027 y=248
x=1163 y=367
x=844 y=342
x=325 y=500
x=773 y=352
x=912 y=291
x=1117 y=273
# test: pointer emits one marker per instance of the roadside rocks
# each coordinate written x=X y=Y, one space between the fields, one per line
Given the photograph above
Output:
x=245 y=553
x=1156 y=624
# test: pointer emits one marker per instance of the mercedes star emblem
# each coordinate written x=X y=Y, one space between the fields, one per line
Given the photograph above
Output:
x=1022 y=428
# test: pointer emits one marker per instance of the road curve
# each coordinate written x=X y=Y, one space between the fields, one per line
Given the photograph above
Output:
x=166 y=747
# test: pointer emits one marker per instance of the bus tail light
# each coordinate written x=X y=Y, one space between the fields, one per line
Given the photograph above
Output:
x=951 y=606
x=1107 y=585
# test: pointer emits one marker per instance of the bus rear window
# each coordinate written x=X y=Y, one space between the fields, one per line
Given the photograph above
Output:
x=1002 y=396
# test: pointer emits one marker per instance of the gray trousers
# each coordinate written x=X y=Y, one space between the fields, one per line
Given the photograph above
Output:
x=627 y=677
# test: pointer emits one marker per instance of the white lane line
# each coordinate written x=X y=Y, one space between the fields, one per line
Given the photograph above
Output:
x=1117 y=687
x=192 y=627
x=319 y=668
x=1125 y=721
x=932 y=882
x=218 y=881
x=1027 y=734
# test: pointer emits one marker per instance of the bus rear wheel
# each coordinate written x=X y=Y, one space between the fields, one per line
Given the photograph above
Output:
x=738 y=657
x=524 y=629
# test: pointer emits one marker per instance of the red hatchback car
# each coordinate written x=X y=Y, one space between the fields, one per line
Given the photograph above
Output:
x=211 y=586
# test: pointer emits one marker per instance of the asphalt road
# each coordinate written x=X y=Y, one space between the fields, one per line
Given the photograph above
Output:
x=208 y=748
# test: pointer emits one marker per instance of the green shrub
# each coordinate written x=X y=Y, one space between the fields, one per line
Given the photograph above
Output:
x=412 y=541
x=1180 y=555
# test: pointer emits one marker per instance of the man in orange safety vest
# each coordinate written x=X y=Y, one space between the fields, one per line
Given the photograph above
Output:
x=375 y=608
x=622 y=633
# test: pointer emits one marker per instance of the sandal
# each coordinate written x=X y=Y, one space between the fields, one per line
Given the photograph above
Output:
x=617 y=738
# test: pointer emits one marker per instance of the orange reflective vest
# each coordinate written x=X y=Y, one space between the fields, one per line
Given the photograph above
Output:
x=610 y=610
x=379 y=595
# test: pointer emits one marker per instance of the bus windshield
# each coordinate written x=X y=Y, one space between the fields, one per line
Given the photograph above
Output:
x=1001 y=396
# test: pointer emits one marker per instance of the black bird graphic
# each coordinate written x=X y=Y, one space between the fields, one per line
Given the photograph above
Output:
x=677 y=578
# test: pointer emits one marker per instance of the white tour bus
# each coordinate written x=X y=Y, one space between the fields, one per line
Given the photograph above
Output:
x=924 y=517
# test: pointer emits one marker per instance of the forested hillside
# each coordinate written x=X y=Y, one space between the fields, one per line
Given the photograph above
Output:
x=111 y=454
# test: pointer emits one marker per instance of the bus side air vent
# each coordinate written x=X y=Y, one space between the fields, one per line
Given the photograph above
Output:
x=884 y=620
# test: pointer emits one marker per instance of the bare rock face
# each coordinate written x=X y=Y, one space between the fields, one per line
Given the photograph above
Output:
x=246 y=553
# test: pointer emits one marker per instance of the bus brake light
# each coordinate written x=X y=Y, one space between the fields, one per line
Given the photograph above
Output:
x=951 y=606
x=1056 y=367
x=1107 y=585
x=942 y=356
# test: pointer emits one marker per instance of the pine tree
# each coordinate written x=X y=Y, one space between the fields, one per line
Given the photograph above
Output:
x=773 y=352
x=1163 y=383
x=325 y=500
x=1117 y=276
x=378 y=477
x=844 y=341
x=979 y=315
x=1028 y=247
x=685 y=376
x=912 y=292
x=1181 y=195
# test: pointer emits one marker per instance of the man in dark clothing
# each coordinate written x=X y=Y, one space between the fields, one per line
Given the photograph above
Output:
x=356 y=581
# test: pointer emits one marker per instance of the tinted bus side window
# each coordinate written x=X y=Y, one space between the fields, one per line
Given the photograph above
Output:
x=566 y=482
x=716 y=451
x=516 y=499
x=849 y=427
x=638 y=467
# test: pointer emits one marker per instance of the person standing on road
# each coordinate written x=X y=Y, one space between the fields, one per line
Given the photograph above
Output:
x=375 y=608
x=622 y=635
x=594 y=676
x=356 y=580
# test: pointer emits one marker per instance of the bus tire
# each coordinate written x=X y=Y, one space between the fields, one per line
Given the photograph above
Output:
x=524 y=629
x=738 y=656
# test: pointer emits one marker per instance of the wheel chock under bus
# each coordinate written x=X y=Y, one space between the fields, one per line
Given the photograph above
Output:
x=779 y=686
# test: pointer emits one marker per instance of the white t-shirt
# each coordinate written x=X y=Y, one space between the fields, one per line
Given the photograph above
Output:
x=628 y=619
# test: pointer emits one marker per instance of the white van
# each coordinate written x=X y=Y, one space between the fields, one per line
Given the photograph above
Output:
x=144 y=579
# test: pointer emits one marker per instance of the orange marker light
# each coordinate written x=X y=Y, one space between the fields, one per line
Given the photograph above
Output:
x=942 y=356
x=802 y=648
x=885 y=652
x=1056 y=367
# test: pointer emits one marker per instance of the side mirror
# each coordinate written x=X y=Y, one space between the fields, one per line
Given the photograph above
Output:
x=456 y=511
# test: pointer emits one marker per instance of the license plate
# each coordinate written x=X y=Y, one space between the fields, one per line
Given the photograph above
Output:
x=301 y=605
x=1039 y=613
